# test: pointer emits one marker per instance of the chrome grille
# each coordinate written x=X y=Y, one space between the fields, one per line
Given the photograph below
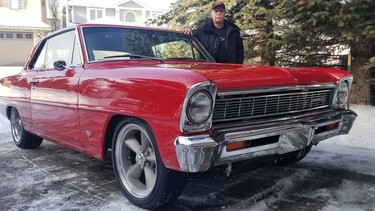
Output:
x=246 y=106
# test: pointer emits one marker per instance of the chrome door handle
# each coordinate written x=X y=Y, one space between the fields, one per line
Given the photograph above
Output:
x=33 y=83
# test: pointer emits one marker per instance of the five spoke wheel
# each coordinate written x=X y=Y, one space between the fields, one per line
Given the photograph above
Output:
x=139 y=169
x=136 y=155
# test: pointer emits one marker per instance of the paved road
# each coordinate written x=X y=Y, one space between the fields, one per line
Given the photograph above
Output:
x=55 y=178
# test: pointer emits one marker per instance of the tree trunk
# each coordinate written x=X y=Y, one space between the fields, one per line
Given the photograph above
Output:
x=361 y=54
x=268 y=52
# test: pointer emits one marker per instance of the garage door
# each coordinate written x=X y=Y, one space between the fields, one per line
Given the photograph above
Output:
x=15 y=48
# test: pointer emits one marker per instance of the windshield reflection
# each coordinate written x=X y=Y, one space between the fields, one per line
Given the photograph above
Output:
x=117 y=43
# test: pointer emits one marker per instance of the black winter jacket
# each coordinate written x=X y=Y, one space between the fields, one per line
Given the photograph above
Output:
x=210 y=41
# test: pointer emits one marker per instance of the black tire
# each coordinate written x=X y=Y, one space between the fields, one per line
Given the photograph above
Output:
x=22 y=138
x=372 y=72
x=293 y=157
x=372 y=92
x=138 y=167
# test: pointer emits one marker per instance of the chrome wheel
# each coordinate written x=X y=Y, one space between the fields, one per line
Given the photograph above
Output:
x=135 y=160
x=16 y=126
x=22 y=138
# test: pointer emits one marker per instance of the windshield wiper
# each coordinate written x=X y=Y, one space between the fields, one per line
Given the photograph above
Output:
x=133 y=56
x=188 y=59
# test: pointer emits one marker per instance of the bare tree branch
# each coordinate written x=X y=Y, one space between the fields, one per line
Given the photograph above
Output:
x=53 y=6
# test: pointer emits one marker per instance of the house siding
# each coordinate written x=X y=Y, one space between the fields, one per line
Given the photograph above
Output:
x=80 y=14
x=138 y=15
x=130 y=4
x=20 y=30
x=110 y=12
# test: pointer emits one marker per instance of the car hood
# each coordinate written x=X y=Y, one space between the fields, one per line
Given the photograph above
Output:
x=232 y=76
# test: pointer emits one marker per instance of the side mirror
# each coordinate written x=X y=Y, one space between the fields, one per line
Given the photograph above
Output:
x=59 y=65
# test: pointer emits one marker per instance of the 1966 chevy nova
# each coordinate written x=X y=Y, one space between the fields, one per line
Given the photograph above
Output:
x=161 y=107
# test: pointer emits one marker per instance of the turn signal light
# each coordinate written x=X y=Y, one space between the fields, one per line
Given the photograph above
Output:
x=236 y=146
x=333 y=126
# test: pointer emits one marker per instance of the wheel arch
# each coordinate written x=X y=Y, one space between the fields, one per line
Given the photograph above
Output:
x=110 y=131
x=8 y=111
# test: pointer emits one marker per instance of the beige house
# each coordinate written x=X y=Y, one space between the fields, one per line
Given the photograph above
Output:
x=128 y=12
x=24 y=22
x=21 y=27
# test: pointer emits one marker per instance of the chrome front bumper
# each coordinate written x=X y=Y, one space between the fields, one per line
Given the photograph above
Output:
x=199 y=153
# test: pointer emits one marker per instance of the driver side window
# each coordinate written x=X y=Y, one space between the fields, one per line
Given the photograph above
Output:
x=59 y=47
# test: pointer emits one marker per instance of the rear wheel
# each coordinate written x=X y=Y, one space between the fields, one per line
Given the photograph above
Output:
x=138 y=167
x=372 y=91
x=22 y=138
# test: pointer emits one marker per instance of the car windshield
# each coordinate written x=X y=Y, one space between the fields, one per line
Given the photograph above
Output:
x=116 y=43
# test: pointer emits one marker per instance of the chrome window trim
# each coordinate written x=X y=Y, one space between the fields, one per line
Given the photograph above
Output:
x=78 y=42
x=51 y=35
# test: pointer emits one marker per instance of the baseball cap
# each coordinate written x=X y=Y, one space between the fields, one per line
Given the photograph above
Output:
x=218 y=4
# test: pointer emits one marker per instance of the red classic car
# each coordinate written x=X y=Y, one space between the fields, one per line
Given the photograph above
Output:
x=156 y=102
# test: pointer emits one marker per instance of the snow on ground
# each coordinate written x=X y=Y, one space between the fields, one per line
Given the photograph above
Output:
x=4 y=125
x=363 y=132
x=9 y=70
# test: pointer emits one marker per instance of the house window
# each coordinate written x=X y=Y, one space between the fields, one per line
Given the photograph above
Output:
x=1 y=35
x=18 y=4
x=95 y=13
x=9 y=35
x=19 y=36
x=129 y=16
x=29 y=36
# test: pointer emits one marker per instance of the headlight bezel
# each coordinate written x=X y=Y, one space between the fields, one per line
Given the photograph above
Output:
x=187 y=123
x=342 y=93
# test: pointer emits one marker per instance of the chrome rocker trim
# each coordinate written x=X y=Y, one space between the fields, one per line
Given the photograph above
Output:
x=201 y=152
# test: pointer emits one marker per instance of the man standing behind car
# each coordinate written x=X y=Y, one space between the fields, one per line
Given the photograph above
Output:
x=221 y=38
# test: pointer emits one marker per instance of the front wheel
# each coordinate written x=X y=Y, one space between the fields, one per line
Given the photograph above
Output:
x=138 y=167
x=22 y=138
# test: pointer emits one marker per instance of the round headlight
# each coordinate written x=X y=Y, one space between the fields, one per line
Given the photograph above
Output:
x=199 y=107
x=343 y=93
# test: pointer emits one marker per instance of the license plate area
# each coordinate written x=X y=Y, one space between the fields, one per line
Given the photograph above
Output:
x=295 y=140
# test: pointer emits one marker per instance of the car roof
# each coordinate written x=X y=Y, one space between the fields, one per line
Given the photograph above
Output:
x=124 y=26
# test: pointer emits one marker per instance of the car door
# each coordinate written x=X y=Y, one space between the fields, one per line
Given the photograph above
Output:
x=54 y=93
